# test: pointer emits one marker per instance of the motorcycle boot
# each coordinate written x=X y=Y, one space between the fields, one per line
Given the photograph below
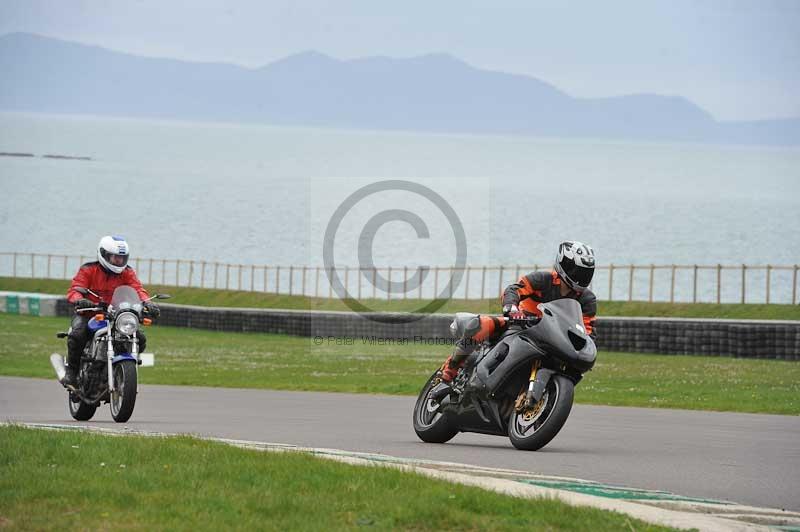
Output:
x=73 y=361
x=453 y=363
x=471 y=330
x=76 y=341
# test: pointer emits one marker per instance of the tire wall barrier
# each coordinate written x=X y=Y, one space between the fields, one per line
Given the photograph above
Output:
x=735 y=338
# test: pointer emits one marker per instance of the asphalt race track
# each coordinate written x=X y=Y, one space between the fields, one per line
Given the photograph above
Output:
x=745 y=458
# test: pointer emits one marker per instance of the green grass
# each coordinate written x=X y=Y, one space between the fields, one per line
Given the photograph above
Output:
x=75 y=480
x=248 y=360
x=233 y=298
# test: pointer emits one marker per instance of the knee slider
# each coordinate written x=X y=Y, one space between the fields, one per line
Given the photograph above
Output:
x=465 y=325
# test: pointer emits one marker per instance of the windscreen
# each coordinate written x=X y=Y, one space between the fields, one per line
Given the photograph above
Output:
x=125 y=297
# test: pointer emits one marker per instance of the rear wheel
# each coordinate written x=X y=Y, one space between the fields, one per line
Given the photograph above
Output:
x=123 y=398
x=79 y=410
x=431 y=425
x=534 y=427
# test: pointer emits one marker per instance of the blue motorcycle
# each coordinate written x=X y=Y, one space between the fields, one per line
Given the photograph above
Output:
x=108 y=371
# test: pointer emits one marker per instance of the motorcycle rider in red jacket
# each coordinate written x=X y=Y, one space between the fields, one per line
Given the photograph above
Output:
x=570 y=278
x=102 y=277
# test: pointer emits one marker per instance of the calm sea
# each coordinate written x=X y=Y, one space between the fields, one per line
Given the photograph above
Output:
x=265 y=195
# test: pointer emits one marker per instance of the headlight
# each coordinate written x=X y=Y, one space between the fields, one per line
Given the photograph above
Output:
x=127 y=323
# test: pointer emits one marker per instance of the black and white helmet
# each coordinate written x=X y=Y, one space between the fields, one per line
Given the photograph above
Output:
x=575 y=264
x=112 y=252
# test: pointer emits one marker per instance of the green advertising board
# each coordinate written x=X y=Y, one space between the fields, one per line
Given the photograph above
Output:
x=12 y=304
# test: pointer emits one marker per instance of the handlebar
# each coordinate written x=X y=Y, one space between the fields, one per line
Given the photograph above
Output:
x=101 y=309
x=532 y=320
x=89 y=309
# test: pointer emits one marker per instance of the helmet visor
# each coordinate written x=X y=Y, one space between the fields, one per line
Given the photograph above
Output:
x=580 y=275
x=114 y=259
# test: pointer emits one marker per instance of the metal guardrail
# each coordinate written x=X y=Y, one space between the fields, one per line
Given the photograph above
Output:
x=772 y=339
x=667 y=283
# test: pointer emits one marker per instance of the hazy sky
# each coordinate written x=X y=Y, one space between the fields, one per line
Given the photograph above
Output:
x=739 y=60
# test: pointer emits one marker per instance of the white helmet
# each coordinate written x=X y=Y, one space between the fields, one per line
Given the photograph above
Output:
x=575 y=264
x=112 y=252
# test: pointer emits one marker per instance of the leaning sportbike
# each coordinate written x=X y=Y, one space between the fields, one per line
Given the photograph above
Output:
x=521 y=386
x=109 y=364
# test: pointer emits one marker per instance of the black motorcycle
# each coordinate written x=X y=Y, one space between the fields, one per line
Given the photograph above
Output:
x=108 y=370
x=522 y=385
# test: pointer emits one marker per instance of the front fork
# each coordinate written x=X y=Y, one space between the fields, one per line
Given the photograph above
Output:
x=537 y=384
x=110 y=354
x=110 y=351
x=532 y=381
x=135 y=353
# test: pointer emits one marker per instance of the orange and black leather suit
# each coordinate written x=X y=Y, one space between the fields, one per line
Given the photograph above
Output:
x=526 y=294
x=543 y=287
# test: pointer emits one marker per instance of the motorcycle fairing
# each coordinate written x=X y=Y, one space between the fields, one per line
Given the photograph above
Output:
x=559 y=334
x=502 y=361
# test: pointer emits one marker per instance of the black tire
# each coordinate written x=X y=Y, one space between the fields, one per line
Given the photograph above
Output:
x=123 y=398
x=431 y=427
x=79 y=410
x=554 y=412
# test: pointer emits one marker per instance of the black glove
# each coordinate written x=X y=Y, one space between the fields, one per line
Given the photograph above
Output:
x=151 y=309
x=83 y=303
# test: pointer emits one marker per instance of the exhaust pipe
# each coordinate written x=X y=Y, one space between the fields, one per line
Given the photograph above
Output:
x=57 y=361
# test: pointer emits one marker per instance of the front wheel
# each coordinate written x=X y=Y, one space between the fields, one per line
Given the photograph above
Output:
x=123 y=398
x=534 y=427
x=79 y=410
x=431 y=425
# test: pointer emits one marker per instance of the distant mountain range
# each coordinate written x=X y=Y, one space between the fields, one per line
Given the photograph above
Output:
x=434 y=93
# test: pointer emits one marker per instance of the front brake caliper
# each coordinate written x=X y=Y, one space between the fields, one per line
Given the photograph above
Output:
x=519 y=404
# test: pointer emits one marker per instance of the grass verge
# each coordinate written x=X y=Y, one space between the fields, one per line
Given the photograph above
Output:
x=233 y=298
x=267 y=361
x=53 y=481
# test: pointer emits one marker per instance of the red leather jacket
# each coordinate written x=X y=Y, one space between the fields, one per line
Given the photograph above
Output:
x=99 y=280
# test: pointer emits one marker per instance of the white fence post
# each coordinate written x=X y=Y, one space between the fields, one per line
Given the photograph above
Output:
x=744 y=283
x=769 y=271
x=611 y=282
x=630 y=283
x=500 y=281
